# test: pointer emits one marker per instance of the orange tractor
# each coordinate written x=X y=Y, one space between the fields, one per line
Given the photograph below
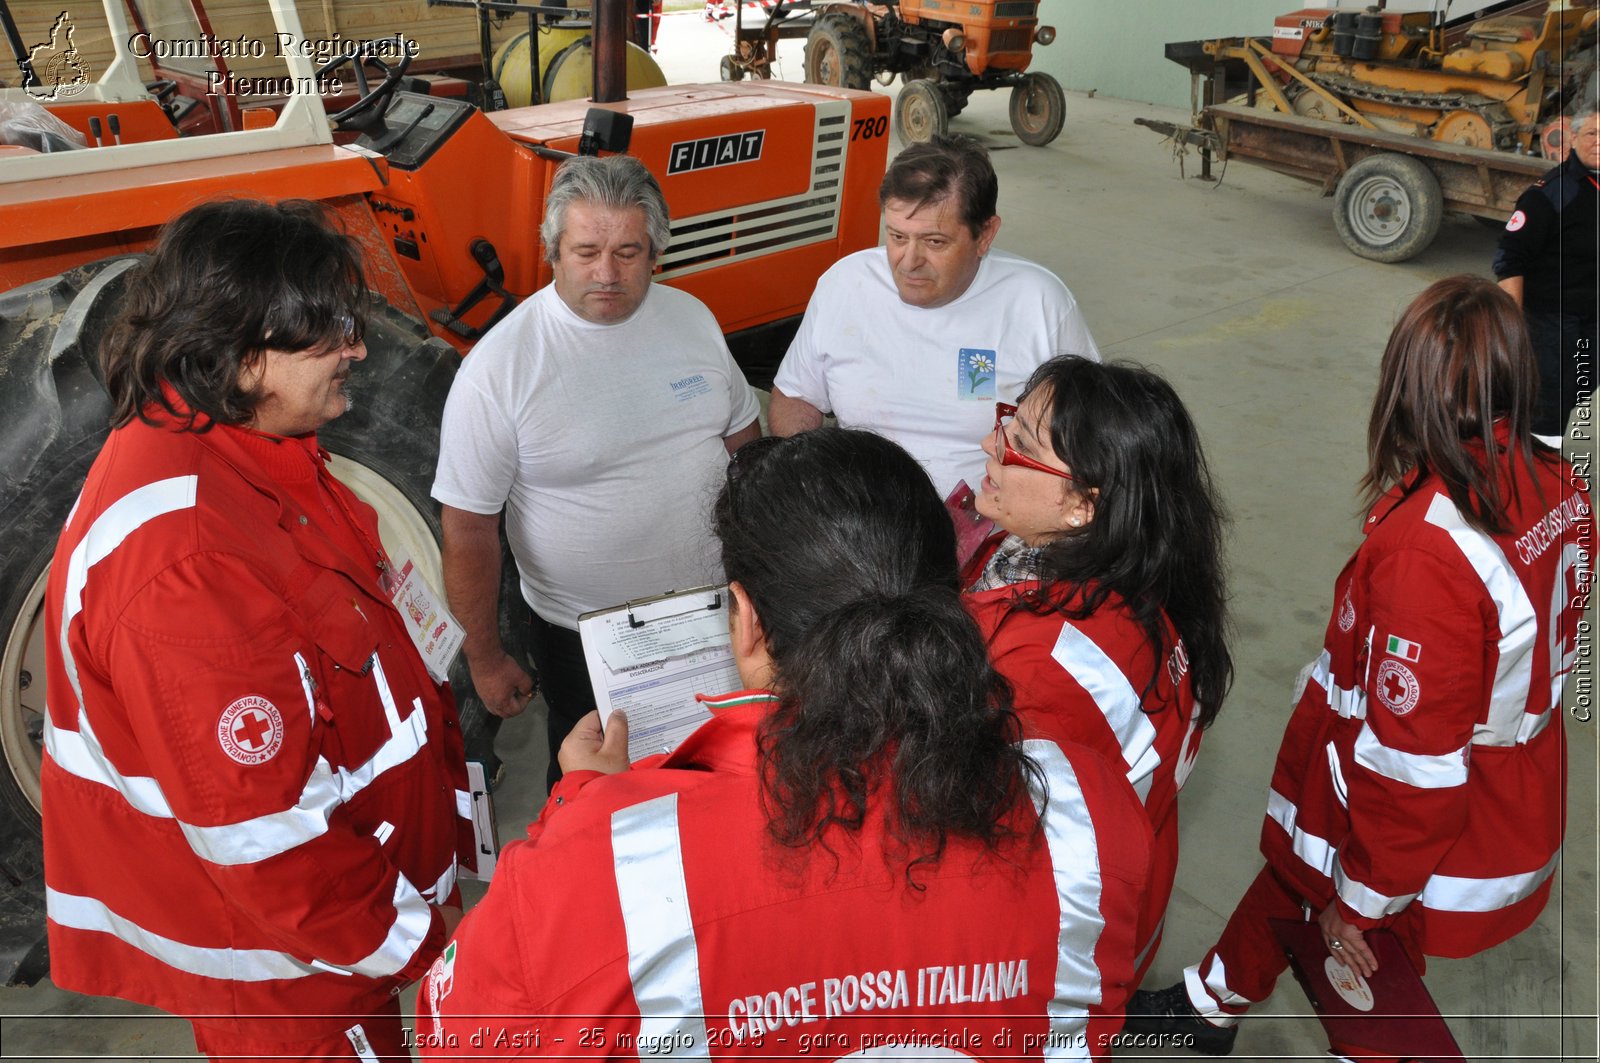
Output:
x=768 y=185
x=943 y=51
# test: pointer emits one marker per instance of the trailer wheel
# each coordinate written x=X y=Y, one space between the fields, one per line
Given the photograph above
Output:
x=1388 y=207
x=1038 y=109
x=838 y=52
x=920 y=112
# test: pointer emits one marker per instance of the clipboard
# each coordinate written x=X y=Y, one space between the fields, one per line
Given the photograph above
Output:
x=1390 y=1014
x=972 y=528
x=649 y=657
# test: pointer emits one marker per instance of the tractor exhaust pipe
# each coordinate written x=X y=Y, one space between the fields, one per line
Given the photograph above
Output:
x=611 y=50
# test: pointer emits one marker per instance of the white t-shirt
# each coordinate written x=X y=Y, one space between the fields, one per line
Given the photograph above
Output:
x=928 y=378
x=603 y=444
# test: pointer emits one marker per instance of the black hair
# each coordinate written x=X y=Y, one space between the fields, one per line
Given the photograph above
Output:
x=927 y=172
x=227 y=281
x=1156 y=537
x=883 y=679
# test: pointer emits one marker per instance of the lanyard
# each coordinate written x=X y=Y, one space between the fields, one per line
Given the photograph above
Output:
x=331 y=486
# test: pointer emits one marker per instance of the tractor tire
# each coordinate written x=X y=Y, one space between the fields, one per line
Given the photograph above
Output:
x=838 y=52
x=956 y=98
x=920 y=112
x=54 y=414
x=1038 y=109
x=729 y=69
x=1387 y=207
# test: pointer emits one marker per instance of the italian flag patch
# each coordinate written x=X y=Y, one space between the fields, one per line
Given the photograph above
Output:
x=1403 y=649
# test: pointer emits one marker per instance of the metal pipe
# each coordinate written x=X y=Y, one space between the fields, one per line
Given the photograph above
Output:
x=611 y=49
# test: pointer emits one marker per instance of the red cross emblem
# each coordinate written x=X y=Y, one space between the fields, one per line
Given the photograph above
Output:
x=1397 y=687
x=250 y=730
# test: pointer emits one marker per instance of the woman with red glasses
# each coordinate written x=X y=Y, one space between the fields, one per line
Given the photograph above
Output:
x=1102 y=597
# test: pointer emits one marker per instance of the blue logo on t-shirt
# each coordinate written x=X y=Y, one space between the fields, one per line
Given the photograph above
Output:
x=975 y=374
x=691 y=387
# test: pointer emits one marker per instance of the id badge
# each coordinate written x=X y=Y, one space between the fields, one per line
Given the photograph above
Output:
x=434 y=631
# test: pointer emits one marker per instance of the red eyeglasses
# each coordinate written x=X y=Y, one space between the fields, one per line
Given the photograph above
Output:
x=1003 y=413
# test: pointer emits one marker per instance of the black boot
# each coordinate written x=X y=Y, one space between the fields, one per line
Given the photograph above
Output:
x=1167 y=1013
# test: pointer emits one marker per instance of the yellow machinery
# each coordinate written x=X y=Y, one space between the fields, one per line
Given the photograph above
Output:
x=1399 y=116
x=1495 y=82
x=566 y=59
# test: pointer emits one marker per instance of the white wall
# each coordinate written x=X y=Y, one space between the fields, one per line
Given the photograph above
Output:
x=1116 y=46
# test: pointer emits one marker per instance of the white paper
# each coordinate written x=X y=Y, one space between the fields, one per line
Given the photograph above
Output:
x=653 y=672
x=663 y=633
x=434 y=630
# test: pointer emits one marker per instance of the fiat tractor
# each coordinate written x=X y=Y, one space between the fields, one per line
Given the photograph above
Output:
x=768 y=185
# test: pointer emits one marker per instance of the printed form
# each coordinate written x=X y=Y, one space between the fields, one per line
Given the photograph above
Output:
x=650 y=658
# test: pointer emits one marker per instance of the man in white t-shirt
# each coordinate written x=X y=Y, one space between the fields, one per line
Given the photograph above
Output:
x=918 y=340
x=599 y=416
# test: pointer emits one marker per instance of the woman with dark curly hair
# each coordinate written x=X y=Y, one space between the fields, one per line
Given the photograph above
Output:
x=1102 y=597
x=1421 y=784
x=859 y=850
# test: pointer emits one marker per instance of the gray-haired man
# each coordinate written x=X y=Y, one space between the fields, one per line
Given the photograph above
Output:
x=596 y=416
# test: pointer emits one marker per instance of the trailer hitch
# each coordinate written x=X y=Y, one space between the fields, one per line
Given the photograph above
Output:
x=493 y=283
x=1200 y=138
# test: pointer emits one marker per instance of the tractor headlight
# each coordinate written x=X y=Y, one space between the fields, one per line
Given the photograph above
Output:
x=1045 y=34
x=955 y=40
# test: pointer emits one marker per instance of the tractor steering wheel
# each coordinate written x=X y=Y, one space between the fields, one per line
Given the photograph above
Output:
x=371 y=96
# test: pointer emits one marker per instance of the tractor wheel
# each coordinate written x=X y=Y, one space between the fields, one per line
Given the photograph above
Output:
x=920 y=112
x=956 y=98
x=730 y=70
x=53 y=417
x=1388 y=207
x=838 y=52
x=1038 y=109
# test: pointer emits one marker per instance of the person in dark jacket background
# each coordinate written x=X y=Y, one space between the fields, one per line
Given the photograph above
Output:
x=1546 y=262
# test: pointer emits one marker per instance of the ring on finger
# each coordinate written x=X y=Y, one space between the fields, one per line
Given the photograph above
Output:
x=1336 y=945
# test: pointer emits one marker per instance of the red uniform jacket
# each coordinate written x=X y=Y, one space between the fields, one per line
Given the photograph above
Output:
x=1084 y=681
x=651 y=912
x=1424 y=768
x=253 y=792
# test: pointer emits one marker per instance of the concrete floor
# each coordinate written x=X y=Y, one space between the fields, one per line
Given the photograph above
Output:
x=1243 y=296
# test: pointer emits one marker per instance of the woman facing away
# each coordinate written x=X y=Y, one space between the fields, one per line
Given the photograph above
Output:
x=1421 y=784
x=1103 y=596
x=858 y=850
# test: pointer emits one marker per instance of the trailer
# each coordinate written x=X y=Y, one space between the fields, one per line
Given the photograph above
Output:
x=1398 y=116
x=1390 y=191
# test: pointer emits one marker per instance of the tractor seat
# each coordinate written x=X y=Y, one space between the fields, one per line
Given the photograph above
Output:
x=1508 y=29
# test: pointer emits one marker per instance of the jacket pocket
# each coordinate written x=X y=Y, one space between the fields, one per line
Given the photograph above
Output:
x=351 y=696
